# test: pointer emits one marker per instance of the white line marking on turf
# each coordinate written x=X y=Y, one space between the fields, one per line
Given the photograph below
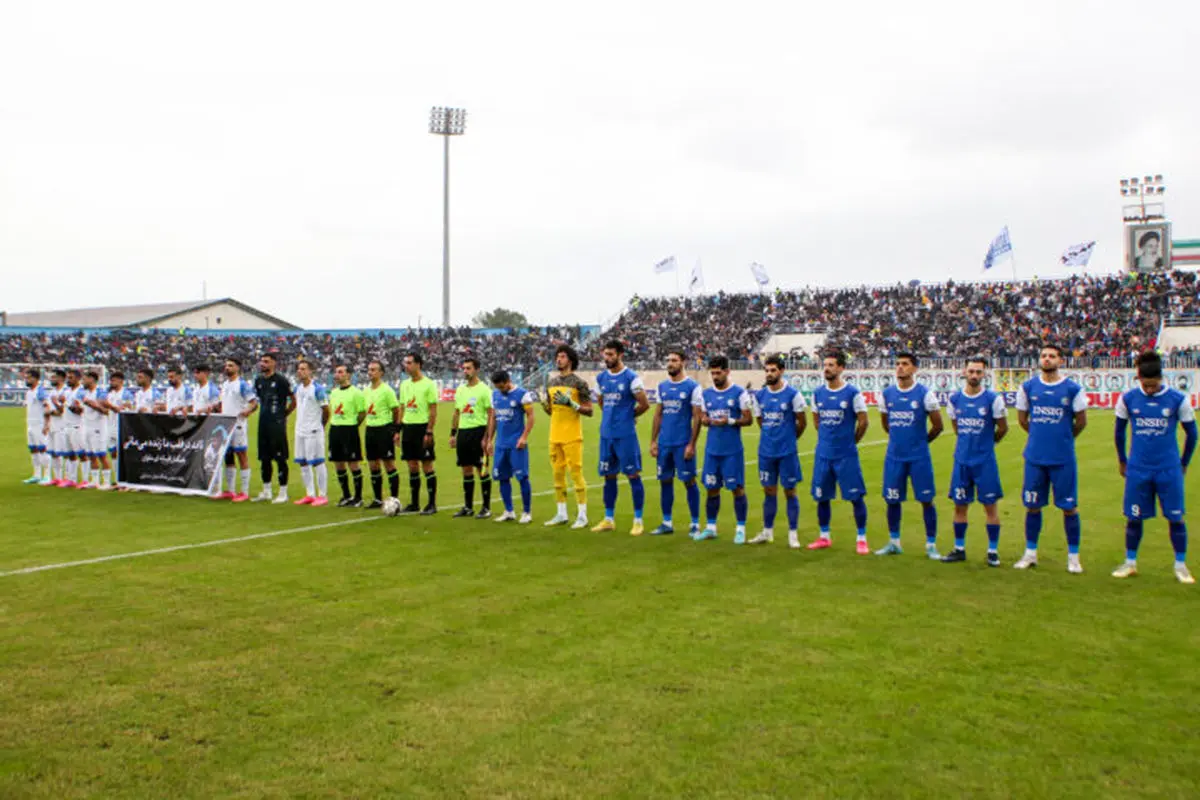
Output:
x=268 y=535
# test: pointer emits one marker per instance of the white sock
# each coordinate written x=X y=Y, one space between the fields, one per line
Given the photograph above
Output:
x=322 y=478
x=282 y=491
x=36 y=461
x=306 y=475
x=230 y=479
x=85 y=471
x=45 y=459
x=69 y=468
x=246 y=482
x=96 y=474
x=862 y=537
x=1031 y=553
x=56 y=468
x=105 y=476
x=562 y=509
x=582 y=512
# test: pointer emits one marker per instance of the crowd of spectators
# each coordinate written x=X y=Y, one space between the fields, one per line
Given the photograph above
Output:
x=442 y=349
x=1088 y=316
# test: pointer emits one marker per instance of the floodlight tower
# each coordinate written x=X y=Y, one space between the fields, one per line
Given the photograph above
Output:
x=1149 y=186
x=446 y=122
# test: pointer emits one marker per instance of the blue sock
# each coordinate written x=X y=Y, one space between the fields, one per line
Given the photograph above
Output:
x=610 y=497
x=930 y=524
x=793 y=512
x=506 y=495
x=638 y=490
x=993 y=532
x=960 y=536
x=693 y=501
x=894 y=513
x=526 y=494
x=1179 y=541
x=712 y=508
x=1033 y=529
x=860 y=516
x=668 y=500
x=824 y=515
x=1072 y=526
x=1133 y=538
x=741 y=508
x=770 y=509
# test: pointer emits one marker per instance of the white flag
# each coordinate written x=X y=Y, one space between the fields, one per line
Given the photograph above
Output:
x=1078 y=255
x=1001 y=246
x=666 y=265
x=760 y=273
x=696 y=284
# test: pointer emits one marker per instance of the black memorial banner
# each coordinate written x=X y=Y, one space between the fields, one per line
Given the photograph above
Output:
x=165 y=453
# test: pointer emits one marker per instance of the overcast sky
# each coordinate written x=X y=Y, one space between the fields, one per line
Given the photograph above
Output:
x=279 y=150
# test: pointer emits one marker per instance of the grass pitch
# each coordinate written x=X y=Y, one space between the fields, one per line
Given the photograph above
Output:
x=434 y=657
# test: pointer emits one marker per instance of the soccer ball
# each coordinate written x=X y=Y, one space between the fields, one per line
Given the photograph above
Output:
x=391 y=507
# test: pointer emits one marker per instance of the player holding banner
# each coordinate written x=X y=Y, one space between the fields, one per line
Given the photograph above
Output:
x=780 y=411
x=312 y=415
x=1154 y=470
x=980 y=421
x=96 y=413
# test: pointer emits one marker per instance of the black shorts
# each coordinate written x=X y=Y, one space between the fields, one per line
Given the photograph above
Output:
x=379 y=443
x=344 y=444
x=272 y=444
x=412 y=443
x=470 y=446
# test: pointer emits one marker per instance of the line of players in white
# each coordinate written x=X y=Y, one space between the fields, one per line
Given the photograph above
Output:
x=71 y=424
x=71 y=442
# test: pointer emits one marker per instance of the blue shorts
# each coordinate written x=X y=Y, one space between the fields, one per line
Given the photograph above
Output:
x=509 y=462
x=843 y=473
x=618 y=455
x=970 y=480
x=672 y=464
x=728 y=471
x=896 y=477
x=783 y=470
x=1142 y=487
x=1040 y=478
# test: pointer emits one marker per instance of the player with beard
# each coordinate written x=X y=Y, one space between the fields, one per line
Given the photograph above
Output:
x=237 y=400
x=276 y=402
x=840 y=417
x=673 y=438
x=468 y=438
x=780 y=411
x=623 y=400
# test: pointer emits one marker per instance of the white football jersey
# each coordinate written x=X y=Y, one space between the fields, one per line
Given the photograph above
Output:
x=74 y=397
x=143 y=401
x=91 y=416
x=37 y=400
x=309 y=402
x=58 y=397
x=236 y=396
x=178 y=398
x=205 y=397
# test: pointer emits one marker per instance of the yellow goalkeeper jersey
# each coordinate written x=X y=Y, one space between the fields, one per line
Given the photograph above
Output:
x=565 y=423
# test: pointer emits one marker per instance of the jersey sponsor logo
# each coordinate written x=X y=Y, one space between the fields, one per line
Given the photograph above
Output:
x=832 y=416
x=970 y=426
x=1047 y=414
x=902 y=418
x=370 y=410
x=1151 y=424
x=772 y=418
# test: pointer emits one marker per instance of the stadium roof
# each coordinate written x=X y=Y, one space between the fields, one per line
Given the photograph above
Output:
x=143 y=316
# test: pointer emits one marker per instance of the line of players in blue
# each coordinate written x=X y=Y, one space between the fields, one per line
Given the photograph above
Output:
x=1050 y=408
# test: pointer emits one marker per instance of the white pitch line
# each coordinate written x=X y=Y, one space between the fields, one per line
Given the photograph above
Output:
x=268 y=535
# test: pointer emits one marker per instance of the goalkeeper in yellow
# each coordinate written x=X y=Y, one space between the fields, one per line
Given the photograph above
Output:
x=566 y=399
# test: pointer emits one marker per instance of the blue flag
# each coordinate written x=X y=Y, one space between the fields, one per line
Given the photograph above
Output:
x=1000 y=247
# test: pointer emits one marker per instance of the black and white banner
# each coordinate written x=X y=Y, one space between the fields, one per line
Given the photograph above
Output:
x=164 y=453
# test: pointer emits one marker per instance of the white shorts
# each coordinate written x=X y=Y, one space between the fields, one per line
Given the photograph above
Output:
x=57 y=444
x=310 y=447
x=76 y=442
x=112 y=432
x=96 y=437
x=35 y=438
x=238 y=441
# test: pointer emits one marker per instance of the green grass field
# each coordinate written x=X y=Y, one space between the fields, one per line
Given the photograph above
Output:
x=425 y=657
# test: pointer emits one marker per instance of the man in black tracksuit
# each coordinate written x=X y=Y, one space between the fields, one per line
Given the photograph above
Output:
x=275 y=402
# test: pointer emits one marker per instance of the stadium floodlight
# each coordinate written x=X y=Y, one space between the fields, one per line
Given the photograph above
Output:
x=1141 y=188
x=446 y=122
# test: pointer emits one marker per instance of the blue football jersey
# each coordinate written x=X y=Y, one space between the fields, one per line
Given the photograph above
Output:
x=618 y=402
x=510 y=415
x=976 y=417
x=1155 y=421
x=907 y=412
x=677 y=399
x=837 y=411
x=728 y=404
x=778 y=411
x=1052 y=408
